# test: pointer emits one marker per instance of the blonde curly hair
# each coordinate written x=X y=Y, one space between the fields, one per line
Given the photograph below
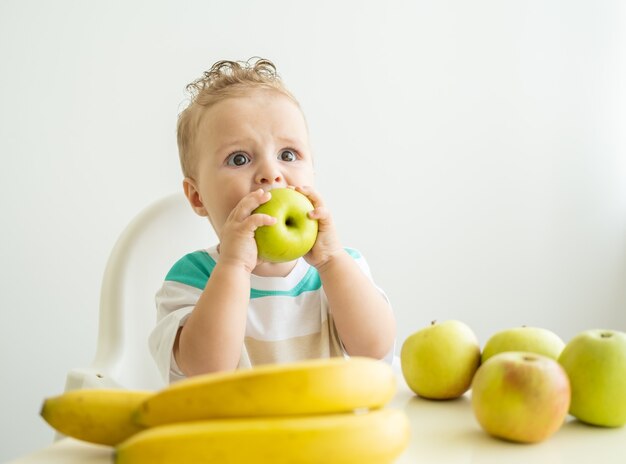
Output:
x=225 y=79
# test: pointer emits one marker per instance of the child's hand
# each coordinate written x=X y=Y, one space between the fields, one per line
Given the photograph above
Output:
x=237 y=245
x=327 y=244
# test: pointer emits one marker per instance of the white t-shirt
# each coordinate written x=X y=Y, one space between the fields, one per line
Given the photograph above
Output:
x=288 y=317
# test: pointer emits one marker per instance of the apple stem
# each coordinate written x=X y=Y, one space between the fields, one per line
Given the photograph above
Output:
x=606 y=334
x=433 y=322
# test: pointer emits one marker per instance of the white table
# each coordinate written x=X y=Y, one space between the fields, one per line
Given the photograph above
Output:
x=441 y=432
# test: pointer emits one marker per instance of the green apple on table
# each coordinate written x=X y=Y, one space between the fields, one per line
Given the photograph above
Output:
x=294 y=233
x=531 y=339
x=595 y=361
x=439 y=361
x=520 y=396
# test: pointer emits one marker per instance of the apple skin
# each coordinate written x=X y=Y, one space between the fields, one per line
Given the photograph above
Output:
x=521 y=397
x=439 y=361
x=595 y=361
x=531 y=339
x=294 y=233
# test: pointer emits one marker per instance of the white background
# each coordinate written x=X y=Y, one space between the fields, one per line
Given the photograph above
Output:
x=473 y=151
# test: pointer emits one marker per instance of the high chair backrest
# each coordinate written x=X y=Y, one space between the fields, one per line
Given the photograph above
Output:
x=145 y=251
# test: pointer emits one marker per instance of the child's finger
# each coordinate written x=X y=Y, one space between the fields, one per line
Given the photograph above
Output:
x=320 y=213
x=312 y=195
x=249 y=203
x=254 y=221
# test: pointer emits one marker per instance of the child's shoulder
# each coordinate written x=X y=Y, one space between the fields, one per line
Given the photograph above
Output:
x=193 y=269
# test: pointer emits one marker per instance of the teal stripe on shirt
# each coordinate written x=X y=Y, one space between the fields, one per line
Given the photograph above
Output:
x=195 y=268
x=192 y=269
x=352 y=252
x=310 y=282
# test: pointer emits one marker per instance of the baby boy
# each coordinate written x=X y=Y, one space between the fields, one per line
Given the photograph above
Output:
x=223 y=308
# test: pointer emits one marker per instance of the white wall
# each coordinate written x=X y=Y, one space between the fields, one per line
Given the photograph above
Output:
x=473 y=151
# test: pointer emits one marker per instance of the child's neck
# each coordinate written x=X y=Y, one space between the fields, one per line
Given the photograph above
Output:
x=274 y=269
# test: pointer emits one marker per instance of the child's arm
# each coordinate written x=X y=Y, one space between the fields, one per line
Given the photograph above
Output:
x=212 y=336
x=363 y=318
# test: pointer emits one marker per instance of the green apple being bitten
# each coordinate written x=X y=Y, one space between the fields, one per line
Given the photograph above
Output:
x=521 y=397
x=439 y=361
x=532 y=339
x=294 y=233
x=595 y=361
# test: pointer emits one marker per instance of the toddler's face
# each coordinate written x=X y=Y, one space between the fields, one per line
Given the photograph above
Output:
x=246 y=143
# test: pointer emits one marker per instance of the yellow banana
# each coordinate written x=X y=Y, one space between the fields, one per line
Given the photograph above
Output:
x=376 y=437
x=308 y=387
x=98 y=416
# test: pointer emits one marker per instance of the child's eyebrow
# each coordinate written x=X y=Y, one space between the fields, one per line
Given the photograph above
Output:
x=289 y=141
x=231 y=144
x=284 y=141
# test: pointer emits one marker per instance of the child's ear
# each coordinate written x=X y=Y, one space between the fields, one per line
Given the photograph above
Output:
x=192 y=194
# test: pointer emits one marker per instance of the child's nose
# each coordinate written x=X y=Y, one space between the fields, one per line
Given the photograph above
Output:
x=269 y=179
x=268 y=174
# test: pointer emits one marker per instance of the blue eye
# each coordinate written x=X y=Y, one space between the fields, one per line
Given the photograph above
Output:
x=287 y=155
x=238 y=159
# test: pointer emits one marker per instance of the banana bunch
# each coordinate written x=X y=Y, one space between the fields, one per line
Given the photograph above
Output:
x=309 y=387
x=105 y=417
x=376 y=437
x=313 y=411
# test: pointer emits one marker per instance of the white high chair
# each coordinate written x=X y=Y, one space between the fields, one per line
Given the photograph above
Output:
x=143 y=254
